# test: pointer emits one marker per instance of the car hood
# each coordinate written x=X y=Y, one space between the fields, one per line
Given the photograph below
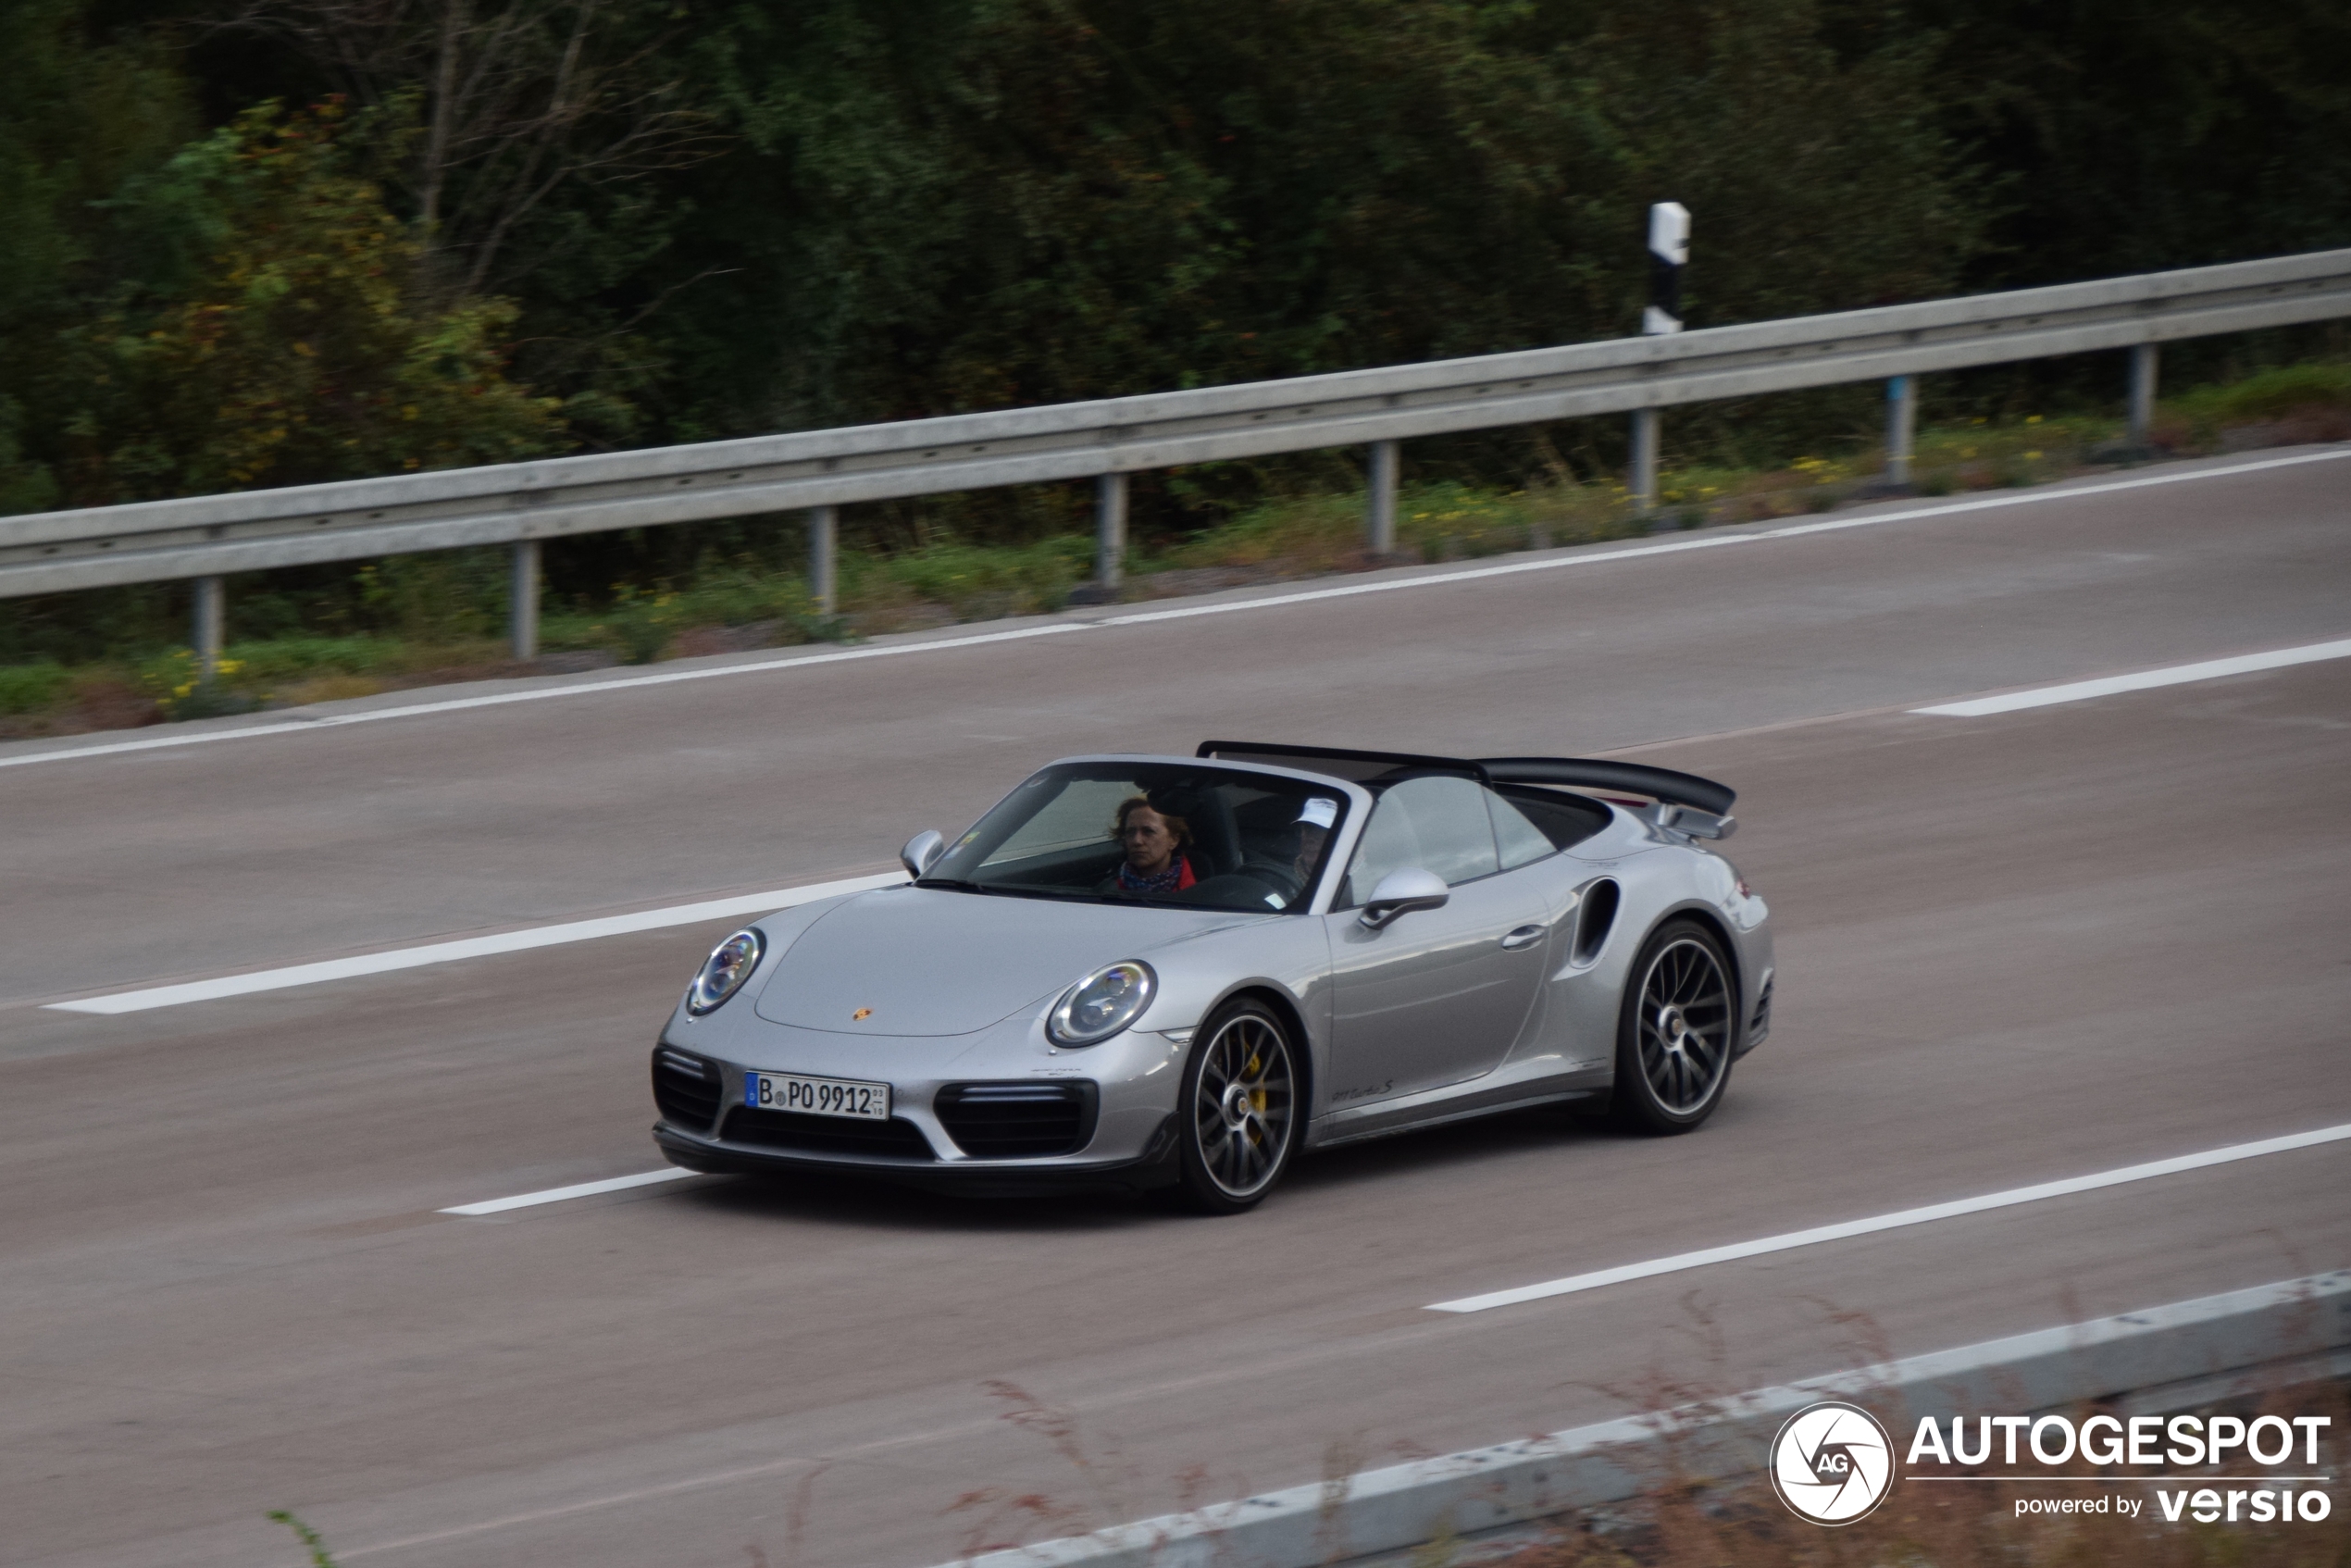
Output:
x=927 y=960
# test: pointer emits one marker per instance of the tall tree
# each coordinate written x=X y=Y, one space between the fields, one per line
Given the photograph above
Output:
x=504 y=105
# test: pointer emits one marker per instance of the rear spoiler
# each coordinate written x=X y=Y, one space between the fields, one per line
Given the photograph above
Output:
x=1687 y=803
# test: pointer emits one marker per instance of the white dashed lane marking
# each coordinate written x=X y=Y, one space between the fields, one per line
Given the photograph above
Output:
x=2143 y=680
x=1899 y=1220
x=470 y=947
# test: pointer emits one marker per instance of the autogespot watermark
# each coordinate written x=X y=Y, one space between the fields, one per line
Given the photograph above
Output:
x=1833 y=1463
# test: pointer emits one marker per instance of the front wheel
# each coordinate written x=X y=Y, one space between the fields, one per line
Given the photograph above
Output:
x=1677 y=1030
x=1240 y=1109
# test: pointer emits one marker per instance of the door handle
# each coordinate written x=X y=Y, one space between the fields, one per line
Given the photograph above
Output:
x=1525 y=935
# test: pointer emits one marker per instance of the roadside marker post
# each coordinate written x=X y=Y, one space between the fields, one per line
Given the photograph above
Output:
x=2144 y=363
x=210 y=614
x=1379 y=498
x=522 y=600
x=1668 y=252
x=1110 y=534
x=823 y=555
x=1901 y=429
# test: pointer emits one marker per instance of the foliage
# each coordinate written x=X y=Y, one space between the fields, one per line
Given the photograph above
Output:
x=310 y=1538
x=1059 y=199
x=2271 y=394
x=2138 y=134
x=24 y=688
x=278 y=338
x=76 y=121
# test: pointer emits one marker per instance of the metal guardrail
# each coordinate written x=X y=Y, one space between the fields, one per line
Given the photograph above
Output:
x=525 y=503
x=2154 y=1361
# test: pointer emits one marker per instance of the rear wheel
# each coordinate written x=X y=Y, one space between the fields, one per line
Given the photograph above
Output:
x=1239 y=1115
x=1676 y=1034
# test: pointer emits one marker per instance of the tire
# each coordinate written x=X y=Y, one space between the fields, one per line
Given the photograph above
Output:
x=1677 y=1032
x=1237 y=1121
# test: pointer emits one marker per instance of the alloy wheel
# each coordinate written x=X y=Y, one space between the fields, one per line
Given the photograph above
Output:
x=1243 y=1102
x=1684 y=1025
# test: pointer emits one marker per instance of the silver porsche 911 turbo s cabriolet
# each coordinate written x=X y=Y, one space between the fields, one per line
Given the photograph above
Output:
x=1187 y=971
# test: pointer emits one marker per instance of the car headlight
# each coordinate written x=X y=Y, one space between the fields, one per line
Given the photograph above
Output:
x=723 y=973
x=1103 y=1004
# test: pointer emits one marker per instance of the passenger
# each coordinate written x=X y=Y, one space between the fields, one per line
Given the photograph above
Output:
x=1155 y=843
x=1313 y=830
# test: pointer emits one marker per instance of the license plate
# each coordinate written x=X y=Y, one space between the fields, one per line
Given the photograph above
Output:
x=817 y=1097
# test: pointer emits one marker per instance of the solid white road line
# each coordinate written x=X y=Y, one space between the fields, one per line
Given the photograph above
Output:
x=560 y=1194
x=1573 y=1284
x=2175 y=674
x=470 y=947
x=1141 y=618
x=537 y=694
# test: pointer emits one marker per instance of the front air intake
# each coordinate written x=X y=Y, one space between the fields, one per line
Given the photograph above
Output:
x=686 y=1088
x=796 y=1132
x=1018 y=1121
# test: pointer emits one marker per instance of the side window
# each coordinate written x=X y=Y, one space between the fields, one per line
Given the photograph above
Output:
x=1520 y=840
x=1438 y=823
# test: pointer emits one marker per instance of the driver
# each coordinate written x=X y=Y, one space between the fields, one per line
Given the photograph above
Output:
x=1155 y=843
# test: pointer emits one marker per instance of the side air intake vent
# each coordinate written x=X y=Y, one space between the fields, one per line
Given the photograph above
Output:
x=1760 y=1024
x=686 y=1088
x=1018 y=1121
x=1593 y=920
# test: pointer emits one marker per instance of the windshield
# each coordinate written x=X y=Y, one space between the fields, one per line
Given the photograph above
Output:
x=1181 y=833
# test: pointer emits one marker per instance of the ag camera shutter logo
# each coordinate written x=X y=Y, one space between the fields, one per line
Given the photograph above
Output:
x=1832 y=1462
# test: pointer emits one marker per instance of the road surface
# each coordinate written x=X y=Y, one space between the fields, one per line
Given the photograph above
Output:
x=2012 y=949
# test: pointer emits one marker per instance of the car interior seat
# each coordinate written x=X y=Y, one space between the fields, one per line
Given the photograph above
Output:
x=1216 y=841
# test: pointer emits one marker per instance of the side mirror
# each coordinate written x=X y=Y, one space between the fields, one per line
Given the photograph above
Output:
x=922 y=852
x=1401 y=890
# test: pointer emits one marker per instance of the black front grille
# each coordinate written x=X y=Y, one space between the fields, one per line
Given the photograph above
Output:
x=686 y=1087
x=827 y=1135
x=1018 y=1121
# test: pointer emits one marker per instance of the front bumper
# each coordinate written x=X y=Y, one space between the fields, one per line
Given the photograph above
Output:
x=967 y=1131
x=1154 y=1168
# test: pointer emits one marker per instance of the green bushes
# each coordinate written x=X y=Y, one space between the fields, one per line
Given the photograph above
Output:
x=2269 y=394
x=24 y=688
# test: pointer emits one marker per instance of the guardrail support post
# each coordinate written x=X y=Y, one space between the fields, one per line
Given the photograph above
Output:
x=824 y=558
x=1110 y=532
x=2143 y=371
x=1380 y=498
x=1642 y=483
x=522 y=600
x=210 y=614
x=1902 y=427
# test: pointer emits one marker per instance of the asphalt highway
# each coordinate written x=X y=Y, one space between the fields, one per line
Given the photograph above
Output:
x=2012 y=949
